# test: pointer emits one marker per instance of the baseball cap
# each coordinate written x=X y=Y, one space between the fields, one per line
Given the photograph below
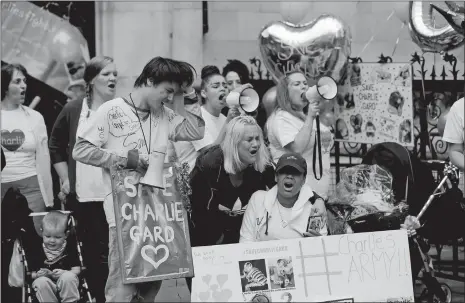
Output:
x=293 y=160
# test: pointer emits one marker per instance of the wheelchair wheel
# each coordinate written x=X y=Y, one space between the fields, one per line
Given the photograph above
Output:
x=427 y=297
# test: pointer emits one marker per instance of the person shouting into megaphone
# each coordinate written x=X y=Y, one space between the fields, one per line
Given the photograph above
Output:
x=214 y=92
x=292 y=128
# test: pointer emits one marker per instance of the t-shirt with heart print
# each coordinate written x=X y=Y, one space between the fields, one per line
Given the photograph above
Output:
x=19 y=146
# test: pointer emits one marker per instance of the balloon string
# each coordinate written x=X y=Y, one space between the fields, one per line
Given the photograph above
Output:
x=374 y=35
x=397 y=40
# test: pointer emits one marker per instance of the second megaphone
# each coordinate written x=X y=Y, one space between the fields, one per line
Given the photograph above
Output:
x=247 y=100
x=326 y=88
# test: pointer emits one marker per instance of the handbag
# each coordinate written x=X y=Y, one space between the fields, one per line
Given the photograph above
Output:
x=16 y=271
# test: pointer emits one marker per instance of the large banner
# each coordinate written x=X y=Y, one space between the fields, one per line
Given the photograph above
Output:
x=375 y=105
x=52 y=49
x=365 y=267
x=152 y=228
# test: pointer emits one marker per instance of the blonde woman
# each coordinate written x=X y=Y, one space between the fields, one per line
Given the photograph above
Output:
x=290 y=129
x=224 y=178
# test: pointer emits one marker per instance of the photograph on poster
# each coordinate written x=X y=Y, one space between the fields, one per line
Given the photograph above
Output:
x=396 y=103
x=281 y=273
x=264 y=296
x=253 y=275
x=283 y=296
x=405 y=131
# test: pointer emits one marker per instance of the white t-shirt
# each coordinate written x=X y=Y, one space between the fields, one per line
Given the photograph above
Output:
x=455 y=128
x=282 y=128
x=116 y=128
x=188 y=151
x=89 y=179
x=19 y=146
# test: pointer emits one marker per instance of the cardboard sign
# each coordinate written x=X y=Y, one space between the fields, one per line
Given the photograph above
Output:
x=152 y=228
x=375 y=104
x=365 y=267
x=50 y=48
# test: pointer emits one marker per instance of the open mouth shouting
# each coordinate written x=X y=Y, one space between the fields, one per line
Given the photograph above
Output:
x=288 y=185
x=112 y=86
x=253 y=152
x=22 y=93
x=222 y=97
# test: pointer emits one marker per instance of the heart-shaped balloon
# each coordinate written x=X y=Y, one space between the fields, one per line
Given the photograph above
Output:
x=318 y=48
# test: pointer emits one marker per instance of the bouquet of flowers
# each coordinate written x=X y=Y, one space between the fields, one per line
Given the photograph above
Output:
x=363 y=201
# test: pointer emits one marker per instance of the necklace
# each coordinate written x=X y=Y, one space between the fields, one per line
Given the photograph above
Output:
x=283 y=222
x=147 y=146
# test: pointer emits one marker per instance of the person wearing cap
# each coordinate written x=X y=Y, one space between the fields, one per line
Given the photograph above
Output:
x=291 y=209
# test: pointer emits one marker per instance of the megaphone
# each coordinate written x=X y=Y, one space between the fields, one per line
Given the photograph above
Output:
x=154 y=175
x=247 y=100
x=326 y=87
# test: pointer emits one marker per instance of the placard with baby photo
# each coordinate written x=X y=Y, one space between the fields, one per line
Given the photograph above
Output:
x=375 y=104
x=281 y=273
x=253 y=275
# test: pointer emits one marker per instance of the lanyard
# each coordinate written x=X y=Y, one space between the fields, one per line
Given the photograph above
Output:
x=147 y=146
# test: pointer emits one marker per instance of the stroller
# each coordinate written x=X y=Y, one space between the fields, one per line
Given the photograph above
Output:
x=413 y=182
x=21 y=228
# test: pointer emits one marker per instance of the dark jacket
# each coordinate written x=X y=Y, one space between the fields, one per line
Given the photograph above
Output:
x=3 y=159
x=211 y=187
x=63 y=138
x=68 y=259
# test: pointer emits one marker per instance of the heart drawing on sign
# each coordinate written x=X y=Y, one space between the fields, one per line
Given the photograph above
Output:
x=12 y=141
x=155 y=250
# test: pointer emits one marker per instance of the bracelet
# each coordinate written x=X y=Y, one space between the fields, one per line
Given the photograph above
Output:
x=133 y=159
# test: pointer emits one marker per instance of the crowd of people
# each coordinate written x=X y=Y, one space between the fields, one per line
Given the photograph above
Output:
x=249 y=182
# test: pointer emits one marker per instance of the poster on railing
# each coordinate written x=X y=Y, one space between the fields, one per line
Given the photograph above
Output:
x=364 y=267
x=374 y=104
x=152 y=228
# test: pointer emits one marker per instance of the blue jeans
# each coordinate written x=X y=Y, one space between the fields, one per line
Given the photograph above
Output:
x=115 y=290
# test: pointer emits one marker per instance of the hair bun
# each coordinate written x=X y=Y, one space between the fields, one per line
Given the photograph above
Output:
x=209 y=70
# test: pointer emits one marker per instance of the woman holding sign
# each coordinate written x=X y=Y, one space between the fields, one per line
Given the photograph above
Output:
x=291 y=129
x=224 y=178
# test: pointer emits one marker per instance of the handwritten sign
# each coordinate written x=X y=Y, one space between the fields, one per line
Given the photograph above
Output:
x=52 y=50
x=340 y=268
x=375 y=104
x=152 y=228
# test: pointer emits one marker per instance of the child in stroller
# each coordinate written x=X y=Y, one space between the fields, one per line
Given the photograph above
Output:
x=55 y=279
x=41 y=262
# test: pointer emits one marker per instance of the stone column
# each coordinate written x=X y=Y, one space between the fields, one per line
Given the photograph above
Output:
x=133 y=33
x=187 y=40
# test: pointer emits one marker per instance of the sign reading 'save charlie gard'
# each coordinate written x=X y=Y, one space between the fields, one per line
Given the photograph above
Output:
x=152 y=228
x=365 y=267
x=374 y=104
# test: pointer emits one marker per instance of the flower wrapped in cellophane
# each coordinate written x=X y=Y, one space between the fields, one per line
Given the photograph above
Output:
x=363 y=199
